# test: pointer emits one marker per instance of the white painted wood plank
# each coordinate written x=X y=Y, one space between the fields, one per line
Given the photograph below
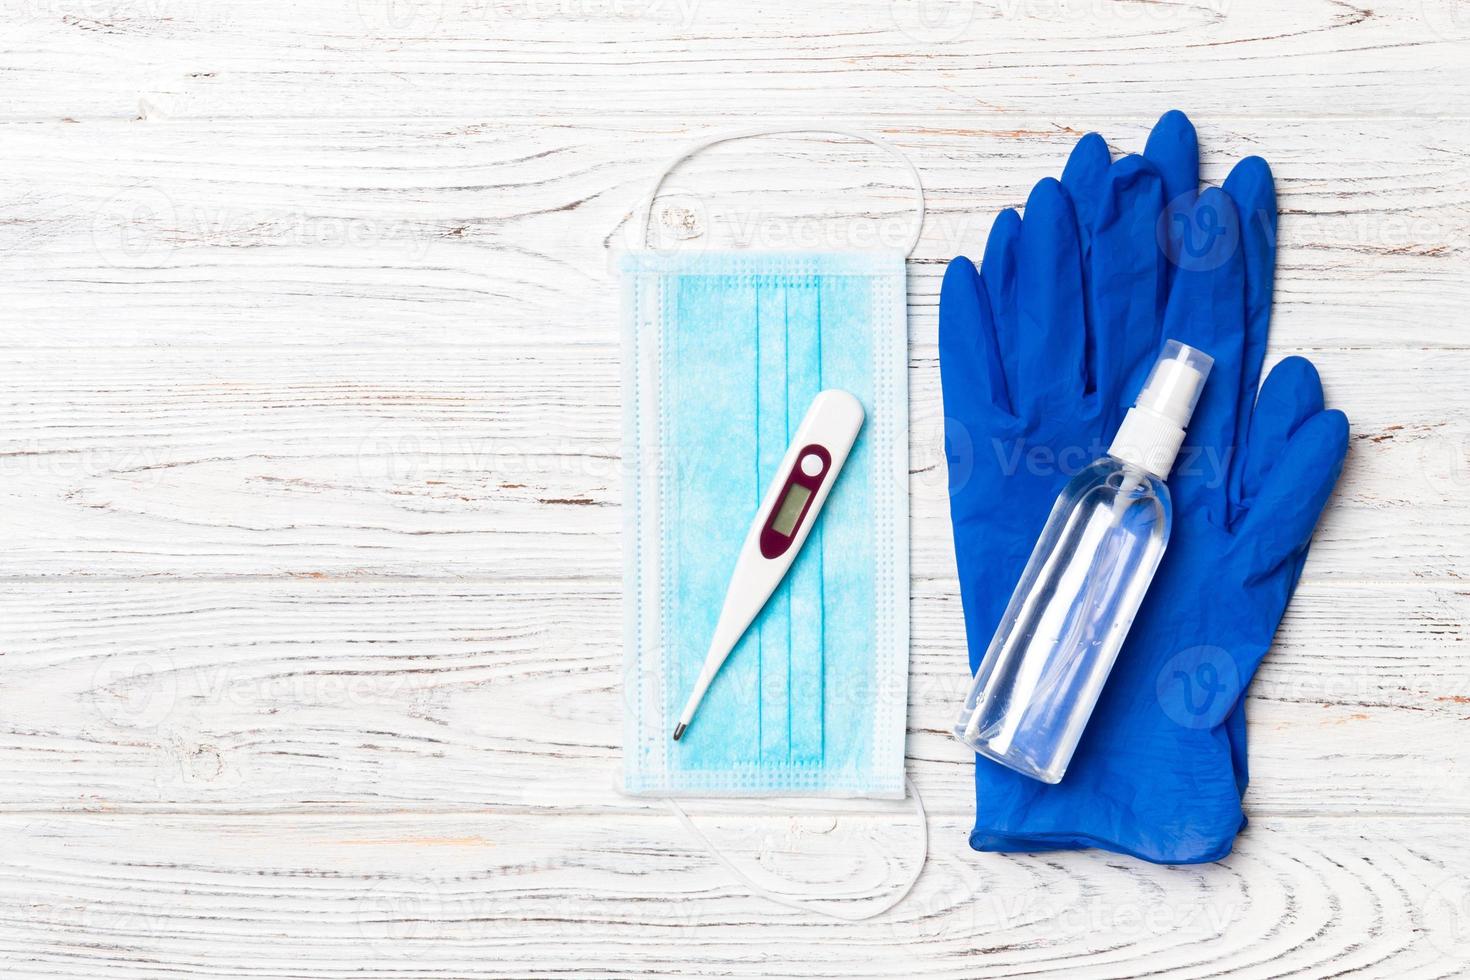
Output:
x=206 y=448
x=503 y=463
x=292 y=694
x=164 y=59
x=103 y=897
x=411 y=232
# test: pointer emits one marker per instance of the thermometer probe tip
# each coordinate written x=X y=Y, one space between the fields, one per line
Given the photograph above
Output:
x=679 y=730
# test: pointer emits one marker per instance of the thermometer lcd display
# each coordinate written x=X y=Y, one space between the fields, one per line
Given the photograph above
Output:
x=790 y=509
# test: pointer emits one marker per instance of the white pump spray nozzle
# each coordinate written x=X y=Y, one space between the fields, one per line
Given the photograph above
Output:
x=1153 y=429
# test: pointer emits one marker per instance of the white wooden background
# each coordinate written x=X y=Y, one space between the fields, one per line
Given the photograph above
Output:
x=309 y=480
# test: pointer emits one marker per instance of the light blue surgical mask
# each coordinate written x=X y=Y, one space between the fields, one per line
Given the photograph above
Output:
x=724 y=352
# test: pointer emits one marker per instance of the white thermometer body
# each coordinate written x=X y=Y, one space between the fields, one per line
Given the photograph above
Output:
x=785 y=518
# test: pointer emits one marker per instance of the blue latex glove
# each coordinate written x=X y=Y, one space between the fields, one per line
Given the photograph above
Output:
x=1040 y=354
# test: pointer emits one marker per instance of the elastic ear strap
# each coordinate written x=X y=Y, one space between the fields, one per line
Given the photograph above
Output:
x=807 y=906
x=740 y=134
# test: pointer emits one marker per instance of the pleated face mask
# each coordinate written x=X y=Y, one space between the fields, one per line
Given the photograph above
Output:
x=724 y=354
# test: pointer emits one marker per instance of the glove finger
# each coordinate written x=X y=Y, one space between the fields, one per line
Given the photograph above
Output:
x=1207 y=310
x=1283 y=514
x=998 y=275
x=970 y=371
x=1085 y=179
x=1053 y=329
x=1127 y=281
x=1251 y=187
x=1291 y=395
x=1173 y=148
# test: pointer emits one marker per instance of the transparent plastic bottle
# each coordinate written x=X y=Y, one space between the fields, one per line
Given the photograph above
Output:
x=1050 y=656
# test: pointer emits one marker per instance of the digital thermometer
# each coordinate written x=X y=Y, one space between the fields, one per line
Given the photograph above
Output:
x=785 y=518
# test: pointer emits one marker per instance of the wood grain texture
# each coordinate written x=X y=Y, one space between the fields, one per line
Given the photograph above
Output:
x=392 y=350
x=376 y=696
x=167 y=59
x=415 y=233
x=310 y=476
x=504 y=463
x=328 y=898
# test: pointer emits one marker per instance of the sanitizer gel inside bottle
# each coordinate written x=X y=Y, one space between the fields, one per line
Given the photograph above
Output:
x=1066 y=621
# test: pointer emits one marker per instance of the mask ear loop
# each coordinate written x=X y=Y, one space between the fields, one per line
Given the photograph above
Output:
x=807 y=906
x=644 y=215
x=645 y=210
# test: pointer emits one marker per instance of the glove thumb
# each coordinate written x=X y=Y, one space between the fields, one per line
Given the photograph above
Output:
x=1283 y=513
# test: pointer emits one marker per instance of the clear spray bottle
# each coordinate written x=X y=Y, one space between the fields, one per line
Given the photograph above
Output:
x=1061 y=632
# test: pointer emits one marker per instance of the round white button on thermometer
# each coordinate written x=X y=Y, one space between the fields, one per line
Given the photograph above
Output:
x=811 y=464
